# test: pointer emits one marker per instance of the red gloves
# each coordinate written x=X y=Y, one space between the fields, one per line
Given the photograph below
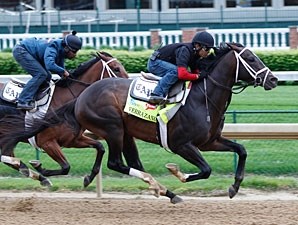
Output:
x=183 y=74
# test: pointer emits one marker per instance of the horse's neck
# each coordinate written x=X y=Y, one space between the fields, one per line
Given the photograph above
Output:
x=65 y=94
x=93 y=73
x=224 y=74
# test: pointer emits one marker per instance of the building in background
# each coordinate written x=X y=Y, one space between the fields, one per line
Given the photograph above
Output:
x=128 y=15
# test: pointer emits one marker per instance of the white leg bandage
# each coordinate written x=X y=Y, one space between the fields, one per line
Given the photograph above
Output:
x=136 y=173
x=10 y=160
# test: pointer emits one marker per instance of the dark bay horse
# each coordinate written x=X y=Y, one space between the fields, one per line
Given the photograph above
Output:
x=102 y=65
x=197 y=126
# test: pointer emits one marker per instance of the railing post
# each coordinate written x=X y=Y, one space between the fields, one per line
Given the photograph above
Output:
x=221 y=16
x=189 y=33
x=235 y=155
x=177 y=17
x=154 y=38
x=138 y=15
x=293 y=37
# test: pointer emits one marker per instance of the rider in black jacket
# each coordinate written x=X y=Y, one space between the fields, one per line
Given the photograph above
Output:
x=172 y=62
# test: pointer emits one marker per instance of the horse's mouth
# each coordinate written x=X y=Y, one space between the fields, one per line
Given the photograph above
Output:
x=270 y=83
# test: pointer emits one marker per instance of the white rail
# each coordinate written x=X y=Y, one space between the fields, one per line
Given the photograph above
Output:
x=265 y=38
x=281 y=75
x=261 y=130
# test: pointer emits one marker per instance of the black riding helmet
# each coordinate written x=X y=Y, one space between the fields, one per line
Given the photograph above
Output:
x=204 y=39
x=73 y=42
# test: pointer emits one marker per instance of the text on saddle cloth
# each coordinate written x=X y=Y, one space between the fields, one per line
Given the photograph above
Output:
x=137 y=101
x=141 y=89
x=12 y=90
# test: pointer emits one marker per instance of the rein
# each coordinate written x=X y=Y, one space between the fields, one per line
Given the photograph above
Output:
x=105 y=66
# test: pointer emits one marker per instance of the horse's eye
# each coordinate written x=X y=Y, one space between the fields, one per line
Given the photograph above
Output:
x=251 y=59
x=117 y=70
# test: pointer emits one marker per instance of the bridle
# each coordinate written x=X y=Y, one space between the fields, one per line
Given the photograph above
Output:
x=258 y=81
x=105 y=67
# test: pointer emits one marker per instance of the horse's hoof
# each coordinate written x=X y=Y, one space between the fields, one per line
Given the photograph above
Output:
x=176 y=199
x=35 y=163
x=232 y=192
x=155 y=191
x=172 y=167
x=86 y=181
x=46 y=183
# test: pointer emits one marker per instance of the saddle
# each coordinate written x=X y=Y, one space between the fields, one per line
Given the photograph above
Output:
x=142 y=87
x=13 y=88
x=137 y=102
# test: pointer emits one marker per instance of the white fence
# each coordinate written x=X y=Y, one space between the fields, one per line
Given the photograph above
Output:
x=267 y=38
x=281 y=75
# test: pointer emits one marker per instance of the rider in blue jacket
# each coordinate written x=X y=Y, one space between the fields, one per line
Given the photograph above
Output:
x=40 y=58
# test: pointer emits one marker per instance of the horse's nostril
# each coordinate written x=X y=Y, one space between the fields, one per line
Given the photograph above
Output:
x=274 y=80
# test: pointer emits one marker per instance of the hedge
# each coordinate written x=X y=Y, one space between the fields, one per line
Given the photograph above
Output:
x=136 y=61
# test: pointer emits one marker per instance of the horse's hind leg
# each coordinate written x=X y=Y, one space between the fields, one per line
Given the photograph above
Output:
x=96 y=166
x=53 y=149
x=17 y=164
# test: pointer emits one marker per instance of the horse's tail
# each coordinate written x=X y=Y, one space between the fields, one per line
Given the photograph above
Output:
x=14 y=130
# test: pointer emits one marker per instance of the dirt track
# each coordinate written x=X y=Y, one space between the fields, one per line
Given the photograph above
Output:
x=72 y=208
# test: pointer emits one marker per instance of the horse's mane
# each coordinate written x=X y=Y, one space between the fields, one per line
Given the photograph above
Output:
x=86 y=65
x=211 y=61
x=82 y=68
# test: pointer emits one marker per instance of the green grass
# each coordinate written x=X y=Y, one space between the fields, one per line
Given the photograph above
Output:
x=271 y=164
x=283 y=97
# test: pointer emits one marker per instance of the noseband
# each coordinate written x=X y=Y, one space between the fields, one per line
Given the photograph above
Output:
x=258 y=81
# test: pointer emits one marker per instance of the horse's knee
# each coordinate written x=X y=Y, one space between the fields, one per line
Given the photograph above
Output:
x=100 y=148
x=65 y=170
x=206 y=172
x=242 y=153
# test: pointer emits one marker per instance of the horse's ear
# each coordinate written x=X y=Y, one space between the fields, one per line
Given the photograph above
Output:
x=225 y=46
x=98 y=54
x=103 y=55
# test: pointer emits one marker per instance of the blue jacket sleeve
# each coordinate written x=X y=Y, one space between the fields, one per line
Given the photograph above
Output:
x=53 y=61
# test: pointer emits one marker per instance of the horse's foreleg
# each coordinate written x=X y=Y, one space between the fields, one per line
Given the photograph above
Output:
x=191 y=154
x=131 y=154
x=224 y=145
x=154 y=186
x=17 y=164
x=174 y=169
x=239 y=174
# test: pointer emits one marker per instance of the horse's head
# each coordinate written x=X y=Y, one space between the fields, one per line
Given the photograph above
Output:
x=250 y=64
x=111 y=66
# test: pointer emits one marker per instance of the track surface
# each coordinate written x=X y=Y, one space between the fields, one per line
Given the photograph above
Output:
x=86 y=208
